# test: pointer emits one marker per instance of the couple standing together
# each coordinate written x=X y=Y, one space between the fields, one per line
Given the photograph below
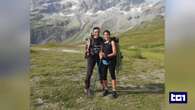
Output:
x=101 y=51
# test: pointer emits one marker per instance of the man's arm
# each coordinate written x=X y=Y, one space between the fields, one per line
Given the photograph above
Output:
x=87 y=44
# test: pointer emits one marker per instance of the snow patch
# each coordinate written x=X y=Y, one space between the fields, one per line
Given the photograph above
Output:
x=88 y=13
x=72 y=1
x=74 y=7
x=136 y=9
x=100 y=12
x=69 y=15
x=61 y=14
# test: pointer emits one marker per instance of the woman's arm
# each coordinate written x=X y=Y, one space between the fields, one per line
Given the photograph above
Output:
x=113 y=50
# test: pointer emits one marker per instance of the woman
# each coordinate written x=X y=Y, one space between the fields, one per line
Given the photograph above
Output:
x=108 y=58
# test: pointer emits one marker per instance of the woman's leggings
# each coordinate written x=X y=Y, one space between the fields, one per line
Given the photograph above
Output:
x=111 y=68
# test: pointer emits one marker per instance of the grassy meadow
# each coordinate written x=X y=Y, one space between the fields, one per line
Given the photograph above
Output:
x=58 y=72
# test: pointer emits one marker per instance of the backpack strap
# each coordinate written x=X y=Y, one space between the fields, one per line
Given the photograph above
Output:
x=115 y=39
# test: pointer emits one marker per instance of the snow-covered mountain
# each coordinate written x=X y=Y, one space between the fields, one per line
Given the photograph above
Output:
x=61 y=20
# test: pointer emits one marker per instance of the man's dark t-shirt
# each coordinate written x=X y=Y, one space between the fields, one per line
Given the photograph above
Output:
x=95 y=46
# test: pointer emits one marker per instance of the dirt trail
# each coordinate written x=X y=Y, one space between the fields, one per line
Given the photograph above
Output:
x=57 y=49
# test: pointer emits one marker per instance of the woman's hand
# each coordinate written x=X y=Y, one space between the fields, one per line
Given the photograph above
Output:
x=101 y=55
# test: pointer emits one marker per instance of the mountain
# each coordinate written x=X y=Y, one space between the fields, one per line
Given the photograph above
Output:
x=72 y=20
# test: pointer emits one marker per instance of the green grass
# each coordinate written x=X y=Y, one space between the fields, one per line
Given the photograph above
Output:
x=147 y=39
x=148 y=35
x=57 y=78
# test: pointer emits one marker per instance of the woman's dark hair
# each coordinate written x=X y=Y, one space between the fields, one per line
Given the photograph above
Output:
x=107 y=31
x=96 y=28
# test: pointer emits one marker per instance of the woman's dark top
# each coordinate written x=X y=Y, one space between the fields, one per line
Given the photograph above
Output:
x=107 y=49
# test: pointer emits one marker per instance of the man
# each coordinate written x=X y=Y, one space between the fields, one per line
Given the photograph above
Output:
x=93 y=48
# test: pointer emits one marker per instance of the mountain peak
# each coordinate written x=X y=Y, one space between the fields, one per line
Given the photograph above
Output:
x=73 y=19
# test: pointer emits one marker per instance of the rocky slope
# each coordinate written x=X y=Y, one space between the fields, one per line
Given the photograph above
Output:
x=72 y=20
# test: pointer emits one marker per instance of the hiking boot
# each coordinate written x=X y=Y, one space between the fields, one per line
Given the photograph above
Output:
x=102 y=88
x=105 y=93
x=85 y=91
x=88 y=92
x=114 y=94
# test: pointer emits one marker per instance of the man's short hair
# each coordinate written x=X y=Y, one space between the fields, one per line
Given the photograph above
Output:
x=96 y=28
